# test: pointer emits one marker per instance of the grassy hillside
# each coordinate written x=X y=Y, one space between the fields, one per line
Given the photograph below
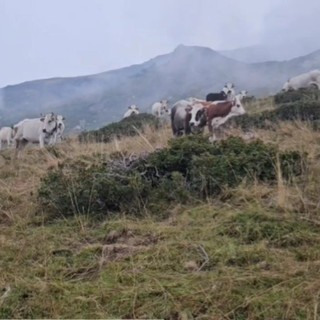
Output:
x=249 y=251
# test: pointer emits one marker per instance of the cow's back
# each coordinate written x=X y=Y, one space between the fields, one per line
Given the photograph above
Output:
x=29 y=130
x=304 y=79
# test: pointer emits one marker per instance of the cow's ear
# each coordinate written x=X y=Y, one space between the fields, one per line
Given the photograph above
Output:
x=63 y=118
x=42 y=119
x=129 y=107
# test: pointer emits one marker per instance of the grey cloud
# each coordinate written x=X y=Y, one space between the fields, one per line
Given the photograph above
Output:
x=41 y=39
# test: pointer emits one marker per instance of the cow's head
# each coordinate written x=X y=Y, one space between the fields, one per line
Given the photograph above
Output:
x=224 y=95
x=198 y=116
x=237 y=107
x=49 y=123
x=164 y=107
x=60 y=120
x=134 y=109
x=242 y=94
x=228 y=89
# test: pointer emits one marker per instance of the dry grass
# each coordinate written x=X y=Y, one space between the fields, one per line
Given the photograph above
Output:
x=253 y=256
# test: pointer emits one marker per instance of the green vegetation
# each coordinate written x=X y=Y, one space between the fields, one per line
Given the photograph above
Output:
x=211 y=262
x=306 y=111
x=191 y=167
x=190 y=230
x=303 y=105
x=301 y=95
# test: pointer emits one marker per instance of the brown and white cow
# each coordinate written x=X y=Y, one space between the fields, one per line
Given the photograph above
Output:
x=214 y=114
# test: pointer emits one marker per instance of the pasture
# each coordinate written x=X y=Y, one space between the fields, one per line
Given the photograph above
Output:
x=249 y=251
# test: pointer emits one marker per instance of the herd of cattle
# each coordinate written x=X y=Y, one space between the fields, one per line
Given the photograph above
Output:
x=47 y=129
x=187 y=116
x=193 y=114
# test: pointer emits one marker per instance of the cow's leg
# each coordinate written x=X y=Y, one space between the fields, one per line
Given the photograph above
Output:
x=19 y=146
x=41 y=141
x=187 y=129
x=221 y=133
x=22 y=144
x=210 y=127
x=216 y=134
x=213 y=137
x=175 y=131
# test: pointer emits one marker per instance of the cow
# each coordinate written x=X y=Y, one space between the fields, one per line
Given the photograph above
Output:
x=6 y=136
x=242 y=94
x=57 y=135
x=304 y=80
x=35 y=130
x=227 y=93
x=160 y=109
x=215 y=114
x=133 y=109
x=180 y=117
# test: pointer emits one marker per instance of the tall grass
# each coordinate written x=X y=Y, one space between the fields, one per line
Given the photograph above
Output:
x=251 y=253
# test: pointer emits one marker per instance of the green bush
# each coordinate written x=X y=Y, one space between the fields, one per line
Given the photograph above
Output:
x=301 y=95
x=304 y=111
x=125 y=127
x=190 y=167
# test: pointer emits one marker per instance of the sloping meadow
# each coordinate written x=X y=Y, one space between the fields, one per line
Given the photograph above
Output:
x=189 y=169
x=302 y=105
x=129 y=126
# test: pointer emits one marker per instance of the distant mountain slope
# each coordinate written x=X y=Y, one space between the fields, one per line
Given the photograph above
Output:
x=275 y=52
x=104 y=97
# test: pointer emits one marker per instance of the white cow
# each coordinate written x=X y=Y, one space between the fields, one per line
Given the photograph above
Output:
x=242 y=94
x=160 y=109
x=133 y=109
x=35 y=130
x=228 y=89
x=6 y=136
x=57 y=135
x=304 y=80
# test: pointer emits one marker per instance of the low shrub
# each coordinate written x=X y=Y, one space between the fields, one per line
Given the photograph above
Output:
x=190 y=168
x=301 y=95
x=125 y=127
x=304 y=111
x=248 y=228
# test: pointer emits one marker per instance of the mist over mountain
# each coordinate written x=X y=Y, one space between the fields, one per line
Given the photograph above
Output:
x=187 y=71
x=272 y=52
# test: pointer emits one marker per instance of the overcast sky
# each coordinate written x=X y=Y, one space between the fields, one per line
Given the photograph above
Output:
x=51 y=38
